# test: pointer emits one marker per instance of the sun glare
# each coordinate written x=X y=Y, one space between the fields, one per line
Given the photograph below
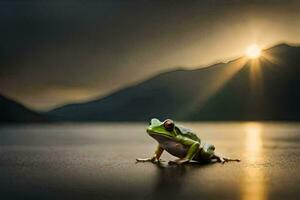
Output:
x=253 y=51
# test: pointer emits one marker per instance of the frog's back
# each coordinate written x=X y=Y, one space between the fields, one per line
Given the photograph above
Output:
x=187 y=133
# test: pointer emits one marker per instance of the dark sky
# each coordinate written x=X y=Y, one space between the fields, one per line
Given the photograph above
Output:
x=59 y=51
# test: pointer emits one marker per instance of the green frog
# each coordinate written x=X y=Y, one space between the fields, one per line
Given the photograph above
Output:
x=181 y=143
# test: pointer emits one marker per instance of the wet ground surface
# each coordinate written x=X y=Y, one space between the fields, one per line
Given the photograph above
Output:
x=97 y=161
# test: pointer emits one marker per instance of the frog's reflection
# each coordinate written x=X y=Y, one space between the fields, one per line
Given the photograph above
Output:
x=170 y=179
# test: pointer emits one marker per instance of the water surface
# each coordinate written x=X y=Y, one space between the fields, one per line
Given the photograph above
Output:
x=97 y=161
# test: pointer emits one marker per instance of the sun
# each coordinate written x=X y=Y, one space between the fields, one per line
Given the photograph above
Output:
x=253 y=51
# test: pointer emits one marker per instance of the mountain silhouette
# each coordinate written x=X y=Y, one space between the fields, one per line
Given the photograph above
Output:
x=266 y=88
x=11 y=111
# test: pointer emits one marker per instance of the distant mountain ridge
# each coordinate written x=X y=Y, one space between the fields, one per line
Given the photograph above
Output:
x=11 y=111
x=224 y=91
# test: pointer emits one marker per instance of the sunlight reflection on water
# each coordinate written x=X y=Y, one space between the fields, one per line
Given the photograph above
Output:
x=254 y=186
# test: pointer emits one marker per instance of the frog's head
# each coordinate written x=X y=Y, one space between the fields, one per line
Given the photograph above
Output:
x=161 y=130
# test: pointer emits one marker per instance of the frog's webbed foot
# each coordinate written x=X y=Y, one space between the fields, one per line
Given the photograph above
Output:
x=230 y=159
x=179 y=161
x=153 y=160
x=146 y=159
x=222 y=159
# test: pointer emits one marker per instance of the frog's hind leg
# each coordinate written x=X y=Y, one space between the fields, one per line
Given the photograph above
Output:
x=191 y=153
x=222 y=159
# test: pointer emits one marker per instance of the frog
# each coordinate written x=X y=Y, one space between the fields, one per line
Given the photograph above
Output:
x=180 y=142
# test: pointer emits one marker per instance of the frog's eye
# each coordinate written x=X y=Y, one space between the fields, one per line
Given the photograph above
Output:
x=169 y=125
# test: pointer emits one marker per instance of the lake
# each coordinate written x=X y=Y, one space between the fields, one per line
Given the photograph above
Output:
x=97 y=161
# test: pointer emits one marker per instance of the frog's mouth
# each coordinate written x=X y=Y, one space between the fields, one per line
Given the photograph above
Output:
x=159 y=137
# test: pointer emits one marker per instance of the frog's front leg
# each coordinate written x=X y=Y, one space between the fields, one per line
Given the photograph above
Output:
x=159 y=150
x=192 y=151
